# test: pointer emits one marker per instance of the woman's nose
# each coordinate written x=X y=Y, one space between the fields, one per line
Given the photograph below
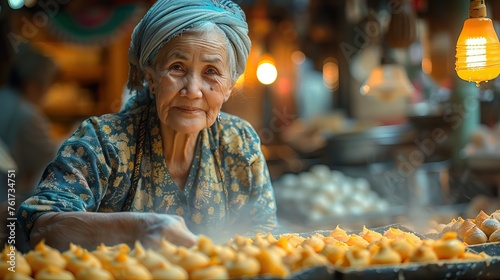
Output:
x=193 y=86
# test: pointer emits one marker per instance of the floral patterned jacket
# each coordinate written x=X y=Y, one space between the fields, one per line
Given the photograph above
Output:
x=228 y=189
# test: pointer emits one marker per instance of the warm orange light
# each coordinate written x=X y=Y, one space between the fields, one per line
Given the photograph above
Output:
x=241 y=80
x=387 y=82
x=331 y=74
x=478 y=50
x=266 y=71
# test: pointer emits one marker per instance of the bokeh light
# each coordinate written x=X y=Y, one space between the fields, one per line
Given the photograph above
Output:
x=16 y=4
x=267 y=73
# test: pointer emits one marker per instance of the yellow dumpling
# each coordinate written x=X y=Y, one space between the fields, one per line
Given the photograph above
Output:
x=92 y=273
x=316 y=243
x=260 y=241
x=225 y=253
x=422 y=254
x=104 y=254
x=13 y=258
x=138 y=251
x=403 y=247
x=126 y=267
x=243 y=267
x=335 y=252
x=206 y=246
x=292 y=259
x=412 y=238
x=44 y=256
x=54 y=273
x=310 y=258
x=171 y=272
x=370 y=235
x=339 y=234
x=356 y=240
x=167 y=249
x=74 y=250
x=84 y=260
x=271 y=264
x=250 y=250
x=356 y=257
x=16 y=276
x=449 y=247
x=294 y=240
x=393 y=233
x=385 y=255
x=284 y=244
x=152 y=260
x=191 y=260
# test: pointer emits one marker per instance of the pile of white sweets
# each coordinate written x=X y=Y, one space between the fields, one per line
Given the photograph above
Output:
x=324 y=193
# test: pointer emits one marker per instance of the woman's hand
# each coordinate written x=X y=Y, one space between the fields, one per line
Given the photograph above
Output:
x=171 y=227
x=89 y=229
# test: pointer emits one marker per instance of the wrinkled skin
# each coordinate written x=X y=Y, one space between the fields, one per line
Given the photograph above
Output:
x=190 y=81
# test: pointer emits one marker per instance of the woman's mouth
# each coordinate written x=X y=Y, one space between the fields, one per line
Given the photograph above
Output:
x=188 y=110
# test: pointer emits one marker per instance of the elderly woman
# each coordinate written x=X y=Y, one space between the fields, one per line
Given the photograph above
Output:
x=169 y=164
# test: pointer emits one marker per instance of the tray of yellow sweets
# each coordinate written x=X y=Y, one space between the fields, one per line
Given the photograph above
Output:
x=396 y=252
x=392 y=252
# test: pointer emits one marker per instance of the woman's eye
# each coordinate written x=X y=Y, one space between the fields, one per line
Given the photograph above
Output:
x=176 y=67
x=211 y=71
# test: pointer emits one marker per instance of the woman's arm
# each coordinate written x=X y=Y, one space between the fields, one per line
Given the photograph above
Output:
x=89 y=229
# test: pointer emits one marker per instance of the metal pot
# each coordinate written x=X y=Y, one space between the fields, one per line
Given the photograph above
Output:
x=370 y=145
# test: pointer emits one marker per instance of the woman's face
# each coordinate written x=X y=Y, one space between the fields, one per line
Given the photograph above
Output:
x=191 y=80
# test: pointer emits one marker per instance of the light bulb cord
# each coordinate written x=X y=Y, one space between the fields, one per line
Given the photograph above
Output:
x=477 y=9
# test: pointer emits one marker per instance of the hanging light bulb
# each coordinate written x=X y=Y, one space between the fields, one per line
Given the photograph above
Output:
x=478 y=49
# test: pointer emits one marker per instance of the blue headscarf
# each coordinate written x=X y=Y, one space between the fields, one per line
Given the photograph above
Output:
x=167 y=19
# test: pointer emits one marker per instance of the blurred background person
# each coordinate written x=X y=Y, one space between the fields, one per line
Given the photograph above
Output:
x=24 y=129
